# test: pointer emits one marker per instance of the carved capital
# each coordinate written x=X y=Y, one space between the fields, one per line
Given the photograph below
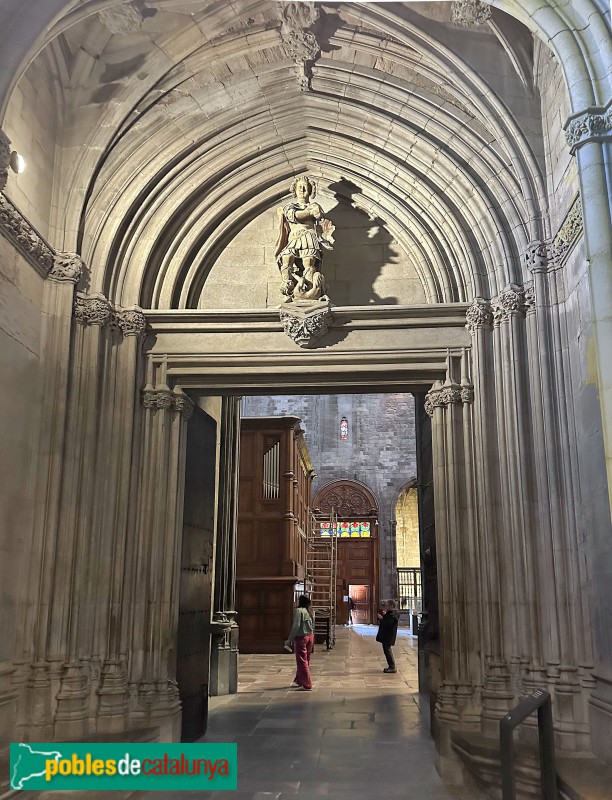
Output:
x=305 y=322
x=569 y=233
x=5 y=156
x=168 y=400
x=509 y=303
x=469 y=13
x=92 y=309
x=447 y=395
x=593 y=125
x=66 y=267
x=479 y=315
x=537 y=256
x=530 y=297
x=18 y=230
x=131 y=321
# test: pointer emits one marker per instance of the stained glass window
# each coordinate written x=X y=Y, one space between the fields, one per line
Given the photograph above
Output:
x=344 y=429
x=355 y=529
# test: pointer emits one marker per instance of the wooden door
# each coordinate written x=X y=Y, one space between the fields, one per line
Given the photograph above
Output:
x=193 y=639
x=361 y=595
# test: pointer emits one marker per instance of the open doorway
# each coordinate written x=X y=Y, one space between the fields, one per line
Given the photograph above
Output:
x=360 y=594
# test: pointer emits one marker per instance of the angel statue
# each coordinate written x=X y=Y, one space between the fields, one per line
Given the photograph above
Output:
x=302 y=235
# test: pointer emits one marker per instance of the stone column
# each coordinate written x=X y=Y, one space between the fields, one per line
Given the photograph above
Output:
x=458 y=701
x=49 y=432
x=111 y=559
x=154 y=697
x=224 y=629
x=72 y=565
x=497 y=695
x=589 y=135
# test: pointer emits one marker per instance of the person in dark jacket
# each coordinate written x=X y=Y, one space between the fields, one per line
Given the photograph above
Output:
x=387 y=632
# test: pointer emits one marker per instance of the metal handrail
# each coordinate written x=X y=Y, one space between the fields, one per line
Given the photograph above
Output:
x=538 y=700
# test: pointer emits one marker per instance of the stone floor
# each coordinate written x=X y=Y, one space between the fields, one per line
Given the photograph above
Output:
x=360 y=734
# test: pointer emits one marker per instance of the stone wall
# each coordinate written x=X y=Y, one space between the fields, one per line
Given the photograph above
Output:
x=380 y=450
x=366 y=265
x=21 y=290
x=31 y=125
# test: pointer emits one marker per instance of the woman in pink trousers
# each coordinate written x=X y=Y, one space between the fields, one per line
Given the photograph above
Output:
x=302 y=638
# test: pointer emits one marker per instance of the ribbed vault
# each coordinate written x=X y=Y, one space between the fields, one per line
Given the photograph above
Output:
x=183 y=125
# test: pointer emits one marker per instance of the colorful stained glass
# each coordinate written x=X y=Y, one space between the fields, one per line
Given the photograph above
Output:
x=355 y=529
x=344 y=429
x=365 y=529
x=345 y=529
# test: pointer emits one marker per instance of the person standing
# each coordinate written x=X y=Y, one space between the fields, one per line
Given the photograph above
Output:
x=352 y=606
x=301 y=637
x=387 y=632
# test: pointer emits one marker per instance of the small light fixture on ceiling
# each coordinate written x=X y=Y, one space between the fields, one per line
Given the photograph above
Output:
x=17 y=162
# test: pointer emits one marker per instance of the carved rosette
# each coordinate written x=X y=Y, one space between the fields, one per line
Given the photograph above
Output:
x=569 y=233
x=92 y=309
x=66 y=267
x=168 y=400
x=593 y=125
x=131 y=321
x=479 y=315
x=18 y=230
x=305 y=323
x=447 y=395
x=5 y=156
x=469 y=13
x=509 y=303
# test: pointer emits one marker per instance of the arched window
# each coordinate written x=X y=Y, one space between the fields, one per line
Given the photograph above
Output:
x=344 y=429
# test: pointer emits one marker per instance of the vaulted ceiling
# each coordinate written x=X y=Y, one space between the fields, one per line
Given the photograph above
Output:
x=180 y=122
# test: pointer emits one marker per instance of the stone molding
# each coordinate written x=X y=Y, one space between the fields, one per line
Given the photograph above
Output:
x=569 y=233
x=300 y=43
x=529 y=297
x=479 y=315
x=24 y=236
x=169 y=400
x=469 y=13
x=447 y=395
x=306 y=322
x=5 y=156
x=592 y=125
x=66 y=267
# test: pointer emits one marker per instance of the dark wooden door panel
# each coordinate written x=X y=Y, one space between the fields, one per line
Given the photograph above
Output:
x=193 y=641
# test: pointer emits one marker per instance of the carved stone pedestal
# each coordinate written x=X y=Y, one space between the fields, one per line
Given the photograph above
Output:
x=306 y=321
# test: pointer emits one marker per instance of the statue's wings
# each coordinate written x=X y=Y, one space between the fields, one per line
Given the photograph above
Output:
x=283 y=232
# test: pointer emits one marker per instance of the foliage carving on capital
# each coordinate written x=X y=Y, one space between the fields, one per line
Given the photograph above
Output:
x=469 y=13
x=132 y=321
x=5 y=157
x=509 y=303
x=166 y=399
x=595 y=124
x=537 y=256
x=479 y=315
x=530 y=297
x=17 y=229
x=92 y=309
x=66 y=267
x=442 y=396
